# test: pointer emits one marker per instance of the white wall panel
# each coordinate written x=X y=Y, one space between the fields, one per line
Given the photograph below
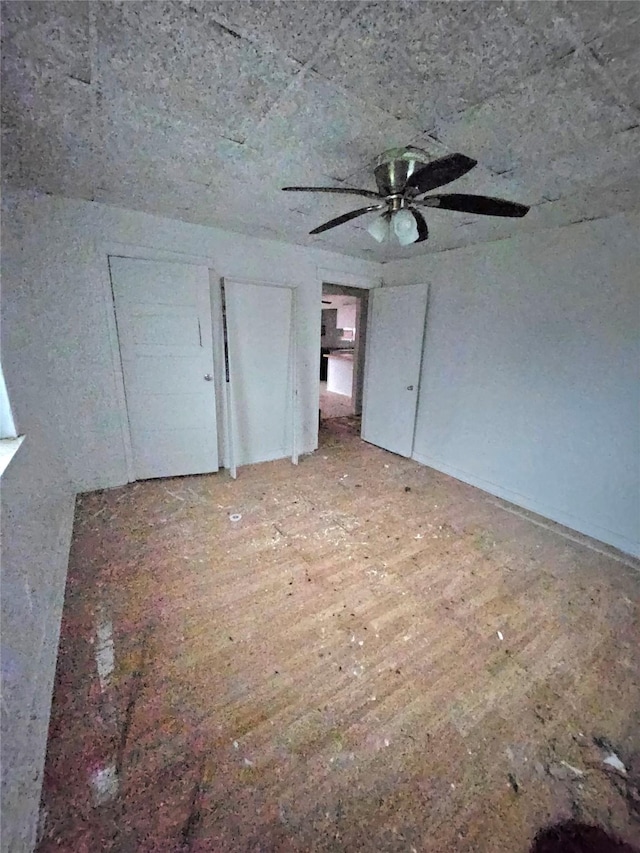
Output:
x=531 y=372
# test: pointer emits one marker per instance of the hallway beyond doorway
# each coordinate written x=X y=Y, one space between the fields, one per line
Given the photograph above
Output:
x=342 y=350
x=334 y=405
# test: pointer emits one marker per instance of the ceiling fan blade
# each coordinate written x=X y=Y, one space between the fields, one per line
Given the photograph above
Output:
x=481 y=204
x=340 y=220
x=440 y=172
x=338 y=190
x=423 y=231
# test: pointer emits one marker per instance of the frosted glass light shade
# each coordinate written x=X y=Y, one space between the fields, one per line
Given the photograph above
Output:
x=379 y=228
x=405 y=227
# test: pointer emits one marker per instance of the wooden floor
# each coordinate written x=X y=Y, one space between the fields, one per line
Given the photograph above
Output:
x=375 y=657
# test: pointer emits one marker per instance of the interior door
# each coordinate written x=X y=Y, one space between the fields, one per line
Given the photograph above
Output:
x=259 y=321
x=163 y=314
x=392 y=368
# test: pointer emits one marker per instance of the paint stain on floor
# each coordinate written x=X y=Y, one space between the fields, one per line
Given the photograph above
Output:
x=373 y=657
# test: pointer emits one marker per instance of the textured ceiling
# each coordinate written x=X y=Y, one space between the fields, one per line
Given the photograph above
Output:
x=201 y=111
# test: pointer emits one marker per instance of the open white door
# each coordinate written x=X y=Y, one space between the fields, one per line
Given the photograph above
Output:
x=261 y=361
x=163 y=313
x=392 y=367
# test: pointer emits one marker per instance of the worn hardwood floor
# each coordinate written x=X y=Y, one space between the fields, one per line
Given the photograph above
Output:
x=375 y=657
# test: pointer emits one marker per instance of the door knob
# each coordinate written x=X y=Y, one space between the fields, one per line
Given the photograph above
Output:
x=409 y=387
x=208 y=377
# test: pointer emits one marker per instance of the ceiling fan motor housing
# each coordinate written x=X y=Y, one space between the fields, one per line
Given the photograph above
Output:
x=394 y=167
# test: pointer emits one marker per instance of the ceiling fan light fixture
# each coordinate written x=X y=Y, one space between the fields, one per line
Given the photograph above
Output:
x=379 y=228
x=405 y=227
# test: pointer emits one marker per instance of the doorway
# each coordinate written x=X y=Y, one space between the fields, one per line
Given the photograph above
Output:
x=342 y=352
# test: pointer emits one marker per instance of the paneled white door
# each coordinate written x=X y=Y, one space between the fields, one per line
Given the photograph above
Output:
x=392 y=367
x=163 y=315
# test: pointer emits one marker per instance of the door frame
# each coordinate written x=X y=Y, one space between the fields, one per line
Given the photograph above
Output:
x=360 y=294
x=351 y=280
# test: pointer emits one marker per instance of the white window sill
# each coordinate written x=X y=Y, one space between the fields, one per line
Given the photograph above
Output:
x=8 y=448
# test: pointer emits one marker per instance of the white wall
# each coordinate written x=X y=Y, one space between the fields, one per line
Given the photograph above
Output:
x=37 y=517
x=347 y=316
x=58 y=363
x=530 y=383
x=331 y=338
x=37 y=514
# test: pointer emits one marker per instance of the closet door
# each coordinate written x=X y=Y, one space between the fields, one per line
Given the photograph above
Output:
x=259 y=323
x=163 y=315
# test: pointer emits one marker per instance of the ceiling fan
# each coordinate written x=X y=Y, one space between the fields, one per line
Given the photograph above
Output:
x=404 y=174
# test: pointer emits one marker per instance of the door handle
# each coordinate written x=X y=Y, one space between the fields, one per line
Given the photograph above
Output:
x=208 y=377
x=409 y=387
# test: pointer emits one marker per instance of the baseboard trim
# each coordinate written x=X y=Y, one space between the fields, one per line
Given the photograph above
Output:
x=594 y=531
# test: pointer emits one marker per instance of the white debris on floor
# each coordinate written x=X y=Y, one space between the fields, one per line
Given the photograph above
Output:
x=104 y=783
x=105 y=653
x=613 y=761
